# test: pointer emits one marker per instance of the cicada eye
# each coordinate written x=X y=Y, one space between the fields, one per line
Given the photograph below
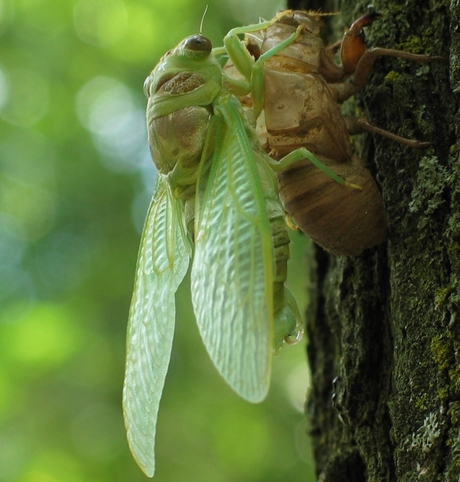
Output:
x=198 y=43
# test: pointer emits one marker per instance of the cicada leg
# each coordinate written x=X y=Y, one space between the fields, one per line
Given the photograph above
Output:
x=360 y=125
x=364 y=67
x=358 y=60
x=301 y=154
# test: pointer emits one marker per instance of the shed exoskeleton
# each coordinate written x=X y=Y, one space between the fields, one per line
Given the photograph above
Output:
x=303 y=87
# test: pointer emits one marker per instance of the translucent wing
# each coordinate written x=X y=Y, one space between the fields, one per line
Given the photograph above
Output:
x=232 y=272
x=164 y=256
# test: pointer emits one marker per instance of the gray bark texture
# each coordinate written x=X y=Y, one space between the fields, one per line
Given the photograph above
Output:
x=384 y=328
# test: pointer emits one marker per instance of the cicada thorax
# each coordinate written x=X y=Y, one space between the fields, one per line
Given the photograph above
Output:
x=301 y=110
x=182 y=134
x=177 y=139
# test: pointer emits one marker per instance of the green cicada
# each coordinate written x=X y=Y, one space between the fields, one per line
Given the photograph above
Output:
x=215 y=200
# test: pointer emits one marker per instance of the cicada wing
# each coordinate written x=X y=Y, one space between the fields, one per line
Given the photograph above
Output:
x=232 y=271
x=163 y=260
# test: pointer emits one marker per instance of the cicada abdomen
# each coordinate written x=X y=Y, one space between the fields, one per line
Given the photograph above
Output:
x=287 y=325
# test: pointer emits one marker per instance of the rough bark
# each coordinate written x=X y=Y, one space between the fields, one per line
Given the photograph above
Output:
x=384 y=333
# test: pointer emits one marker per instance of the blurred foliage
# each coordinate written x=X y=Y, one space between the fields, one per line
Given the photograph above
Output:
x=75 y=180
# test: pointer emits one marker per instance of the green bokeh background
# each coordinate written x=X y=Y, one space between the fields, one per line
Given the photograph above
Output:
x=75 y=181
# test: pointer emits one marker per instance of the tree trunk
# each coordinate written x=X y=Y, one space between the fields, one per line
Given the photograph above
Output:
x=384 y=333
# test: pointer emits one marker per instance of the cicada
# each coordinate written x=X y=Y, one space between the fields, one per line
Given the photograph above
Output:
x=216 y=202
x=301 y=90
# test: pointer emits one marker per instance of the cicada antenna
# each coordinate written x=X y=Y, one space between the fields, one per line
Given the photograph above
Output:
x=202 y=19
